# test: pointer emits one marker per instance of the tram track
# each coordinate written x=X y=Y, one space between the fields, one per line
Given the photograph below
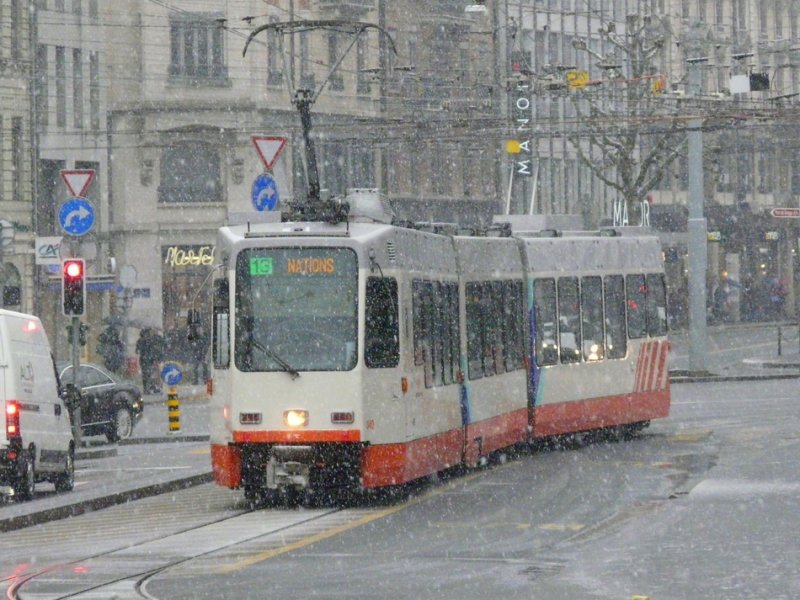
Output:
x=123 y=572
x=115 y=552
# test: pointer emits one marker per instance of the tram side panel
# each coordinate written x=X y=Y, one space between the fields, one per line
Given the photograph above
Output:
x=430 y=438
x=494 y=394
x=598 y=345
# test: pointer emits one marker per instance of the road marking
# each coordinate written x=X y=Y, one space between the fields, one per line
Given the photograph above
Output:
x=692 y=436
x=562 y=526
x=135 y=469
x=329 y=533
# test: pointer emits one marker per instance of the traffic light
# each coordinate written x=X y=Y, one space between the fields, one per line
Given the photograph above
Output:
x=73 y=287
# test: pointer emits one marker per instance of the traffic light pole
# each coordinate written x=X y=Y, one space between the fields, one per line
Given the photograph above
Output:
x=76 y=412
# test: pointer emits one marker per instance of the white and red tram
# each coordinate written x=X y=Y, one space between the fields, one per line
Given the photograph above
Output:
x=362 y=354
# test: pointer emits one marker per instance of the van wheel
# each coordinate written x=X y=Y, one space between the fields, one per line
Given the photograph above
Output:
x=26 y=480
x=122 y=427
x=65 y=481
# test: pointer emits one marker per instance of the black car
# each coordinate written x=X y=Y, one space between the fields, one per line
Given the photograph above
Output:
x=109 y=405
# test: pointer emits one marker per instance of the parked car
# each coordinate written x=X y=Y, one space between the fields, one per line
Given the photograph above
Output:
x=109 y=405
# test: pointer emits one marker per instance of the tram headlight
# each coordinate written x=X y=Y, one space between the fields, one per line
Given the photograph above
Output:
x=295 y=418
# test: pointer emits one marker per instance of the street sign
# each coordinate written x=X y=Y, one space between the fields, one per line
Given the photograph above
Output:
x=269 y=149
x=785 y=213
x=264 y=193
x=577 y=79
x=76 y=216
x=78 y=180
x=171 y=374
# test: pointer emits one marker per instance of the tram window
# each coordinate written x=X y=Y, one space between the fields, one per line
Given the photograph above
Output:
x=656 y=305
x=592 y=318
x=474 y=299
x=495 y=339
x=449 y=328
x=635 y=291
x=417 y=321
x=382 y=334
x=616 y=340
x=544 y=297
x=437 y=334
x=569 y=320
x=512 y=324
x=221 y=336
x=424 y=328
x=452 y=350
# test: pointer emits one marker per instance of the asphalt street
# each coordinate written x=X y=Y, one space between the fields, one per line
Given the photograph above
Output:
x=154 y=460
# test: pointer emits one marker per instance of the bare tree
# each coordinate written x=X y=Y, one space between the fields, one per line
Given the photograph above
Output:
x=627 y=132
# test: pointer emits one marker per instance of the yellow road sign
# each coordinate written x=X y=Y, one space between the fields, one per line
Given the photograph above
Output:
x=577 y=79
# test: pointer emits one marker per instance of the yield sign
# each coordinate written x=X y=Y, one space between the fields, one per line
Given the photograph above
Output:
x=269 y=148
x=78 y=180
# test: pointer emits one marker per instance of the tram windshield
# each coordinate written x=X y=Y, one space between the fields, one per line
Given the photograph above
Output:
x=296 y=309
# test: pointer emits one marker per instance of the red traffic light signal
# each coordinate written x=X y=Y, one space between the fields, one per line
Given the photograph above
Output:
x=73 y=287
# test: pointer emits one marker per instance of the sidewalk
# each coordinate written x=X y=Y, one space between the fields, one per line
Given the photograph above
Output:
x=740 y=352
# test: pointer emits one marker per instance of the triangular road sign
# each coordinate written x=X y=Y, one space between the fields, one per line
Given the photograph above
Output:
x=78 y=180
x=269 y=148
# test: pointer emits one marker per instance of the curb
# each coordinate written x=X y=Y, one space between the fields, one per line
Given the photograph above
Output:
x=164 y=439
x=92 y=504
x=727 y=378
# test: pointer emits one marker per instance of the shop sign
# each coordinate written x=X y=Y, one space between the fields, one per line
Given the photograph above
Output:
x=189 y=256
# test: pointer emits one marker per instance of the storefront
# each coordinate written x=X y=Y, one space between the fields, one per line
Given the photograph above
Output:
x=186 y=274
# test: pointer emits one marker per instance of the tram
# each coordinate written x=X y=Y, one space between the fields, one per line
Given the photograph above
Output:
x=356 y=353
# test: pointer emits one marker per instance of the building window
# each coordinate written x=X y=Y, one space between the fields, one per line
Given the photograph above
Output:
x=77 y=88
x=94 y=91
x=274 y=58
x=362 y=77
x=336 y=81
x=18 y=158
x=190 y=172
x=42 y=89
x=306 y=69
x=76 y=8
x=61 y=87
x=197 y=50
x=14 y=29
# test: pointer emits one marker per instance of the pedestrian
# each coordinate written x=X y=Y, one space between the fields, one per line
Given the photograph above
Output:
x=150 y=348
x=111 y=348
x=199 y=346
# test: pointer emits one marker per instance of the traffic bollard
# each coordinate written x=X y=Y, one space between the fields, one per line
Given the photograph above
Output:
x=173 y=410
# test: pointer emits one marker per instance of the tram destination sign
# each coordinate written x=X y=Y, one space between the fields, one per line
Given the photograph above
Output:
x=785 y=213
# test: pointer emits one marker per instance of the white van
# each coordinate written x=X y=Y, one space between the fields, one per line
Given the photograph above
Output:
x=36 y=441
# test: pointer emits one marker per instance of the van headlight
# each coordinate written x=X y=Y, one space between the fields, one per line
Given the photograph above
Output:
x=295 y=418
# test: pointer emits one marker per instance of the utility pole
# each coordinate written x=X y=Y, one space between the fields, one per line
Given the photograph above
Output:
x=698 y=237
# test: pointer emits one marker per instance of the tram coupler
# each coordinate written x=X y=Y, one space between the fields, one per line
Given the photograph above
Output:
x=289 y=467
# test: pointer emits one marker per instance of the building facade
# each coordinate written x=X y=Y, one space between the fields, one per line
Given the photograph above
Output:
x=454 y=114
x=16 y=216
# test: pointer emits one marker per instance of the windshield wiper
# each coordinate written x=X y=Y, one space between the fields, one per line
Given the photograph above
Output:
x=281 y=363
